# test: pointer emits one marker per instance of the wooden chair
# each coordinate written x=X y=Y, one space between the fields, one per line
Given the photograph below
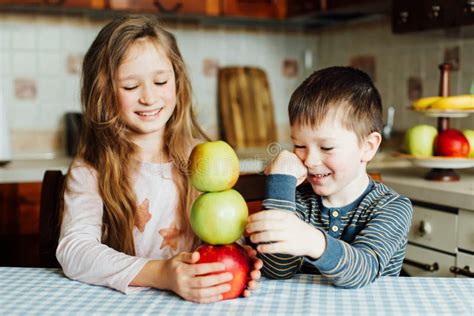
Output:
x=51 y=197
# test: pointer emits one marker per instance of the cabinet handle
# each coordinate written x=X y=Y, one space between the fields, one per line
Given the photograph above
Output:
x=162 y=9
x=425 y=266
x=404 y=17
x=424 y=228
x=435 y=11
x=469 y=7
x=464 y=271
x=54 y=2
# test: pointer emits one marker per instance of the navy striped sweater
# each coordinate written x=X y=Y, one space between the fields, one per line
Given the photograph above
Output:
x=369 y=241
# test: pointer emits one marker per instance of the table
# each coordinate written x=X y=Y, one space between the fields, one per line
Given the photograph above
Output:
x=48 y=292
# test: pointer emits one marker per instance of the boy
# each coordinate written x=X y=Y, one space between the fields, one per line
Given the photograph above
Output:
x=340 y=223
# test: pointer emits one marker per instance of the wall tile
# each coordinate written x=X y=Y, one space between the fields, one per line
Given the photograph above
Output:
x=26 y=89
x=24 y=38
x=5 y=64
x=5 y=38
x=49 y=38
x=25 y=63
x=398 y=58
x=38 y=47
x=50 y=63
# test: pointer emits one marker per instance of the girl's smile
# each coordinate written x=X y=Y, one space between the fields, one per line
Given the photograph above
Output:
x=148 y=115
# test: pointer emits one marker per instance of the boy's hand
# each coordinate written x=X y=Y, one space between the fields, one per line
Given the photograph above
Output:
x=288 y=163
x=255 y=273
x=283 y=232
x=188 y=279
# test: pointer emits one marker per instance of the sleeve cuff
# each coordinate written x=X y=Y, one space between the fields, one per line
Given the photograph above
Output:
x=330 y=257
x=135 y=269
x=280 y=187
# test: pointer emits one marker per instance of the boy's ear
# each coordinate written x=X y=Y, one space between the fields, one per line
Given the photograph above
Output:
x=371 y=145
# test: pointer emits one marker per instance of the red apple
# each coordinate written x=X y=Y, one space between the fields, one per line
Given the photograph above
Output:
x=451 y=143
x=236 y=262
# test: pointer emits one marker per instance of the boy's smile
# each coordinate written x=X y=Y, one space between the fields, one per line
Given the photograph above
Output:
x=335 y=160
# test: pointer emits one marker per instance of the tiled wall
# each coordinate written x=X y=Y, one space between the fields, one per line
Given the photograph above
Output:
x=40 y=60
x=398 y=58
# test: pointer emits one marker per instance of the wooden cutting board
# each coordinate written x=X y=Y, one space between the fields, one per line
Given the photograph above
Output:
x=245 y=107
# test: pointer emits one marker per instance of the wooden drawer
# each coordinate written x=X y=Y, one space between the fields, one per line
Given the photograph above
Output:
x=465 y=261
x=434 y=229
x=424 y=256
x=206 y=7
x=466 y=230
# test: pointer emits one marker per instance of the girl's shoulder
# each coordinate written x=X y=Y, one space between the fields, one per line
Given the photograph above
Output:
x=81 y=172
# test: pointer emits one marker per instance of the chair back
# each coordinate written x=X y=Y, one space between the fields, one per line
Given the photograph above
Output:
x=51 y=197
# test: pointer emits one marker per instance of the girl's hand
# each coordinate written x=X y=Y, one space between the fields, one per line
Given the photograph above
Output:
x=283 y=232
x=187 y=278
x=255 y=273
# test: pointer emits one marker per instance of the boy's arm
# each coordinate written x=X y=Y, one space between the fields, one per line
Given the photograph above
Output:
x=362 y=261
x=280 y=194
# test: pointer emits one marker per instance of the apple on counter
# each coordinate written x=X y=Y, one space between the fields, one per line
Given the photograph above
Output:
x=469 y=133
x=451 y=143
x=419 y=140
x=235 y=260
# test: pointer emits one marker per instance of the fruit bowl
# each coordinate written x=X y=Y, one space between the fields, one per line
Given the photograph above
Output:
x=443 y=113
x=439 y=162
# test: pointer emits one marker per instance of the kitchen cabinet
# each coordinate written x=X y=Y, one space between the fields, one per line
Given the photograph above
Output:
x=465 y=256
x=178 y=7
x=288 y=14
x=440 y=241
x=411 y=16
x=441 y=237
x=268 y=8
x=19 y=224
x=92 y=4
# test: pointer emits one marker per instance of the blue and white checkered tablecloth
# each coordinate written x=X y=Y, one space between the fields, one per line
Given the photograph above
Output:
x=39 y=291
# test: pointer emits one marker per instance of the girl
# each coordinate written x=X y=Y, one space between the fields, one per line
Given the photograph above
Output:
x=125 y=218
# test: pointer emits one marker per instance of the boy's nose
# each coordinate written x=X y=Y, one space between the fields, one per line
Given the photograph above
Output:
x=312 y=160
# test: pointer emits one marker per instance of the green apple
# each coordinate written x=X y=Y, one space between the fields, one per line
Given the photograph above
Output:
x=469 y=133
x=214 y=166
x=419 y=140
x=219 y=218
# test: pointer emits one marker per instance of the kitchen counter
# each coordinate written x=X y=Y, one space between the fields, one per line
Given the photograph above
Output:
x=397 y=173
x=410 y=182
x=24 y=171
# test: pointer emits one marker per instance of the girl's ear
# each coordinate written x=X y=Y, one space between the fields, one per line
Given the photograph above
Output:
x=370 y=146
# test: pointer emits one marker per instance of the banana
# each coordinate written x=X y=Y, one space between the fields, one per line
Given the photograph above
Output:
x=457 y=102
x=423 y=103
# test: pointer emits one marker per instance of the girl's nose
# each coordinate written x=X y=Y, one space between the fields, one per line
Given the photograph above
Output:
x=147 y=96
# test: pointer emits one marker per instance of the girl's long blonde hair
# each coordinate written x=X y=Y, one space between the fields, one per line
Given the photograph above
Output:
x=105 y=142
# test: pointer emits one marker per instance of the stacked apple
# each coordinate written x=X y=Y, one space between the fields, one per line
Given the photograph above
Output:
x=425 y=140
x=218 y=216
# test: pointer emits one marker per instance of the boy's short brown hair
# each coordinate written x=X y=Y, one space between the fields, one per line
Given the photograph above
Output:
x=347 y=90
